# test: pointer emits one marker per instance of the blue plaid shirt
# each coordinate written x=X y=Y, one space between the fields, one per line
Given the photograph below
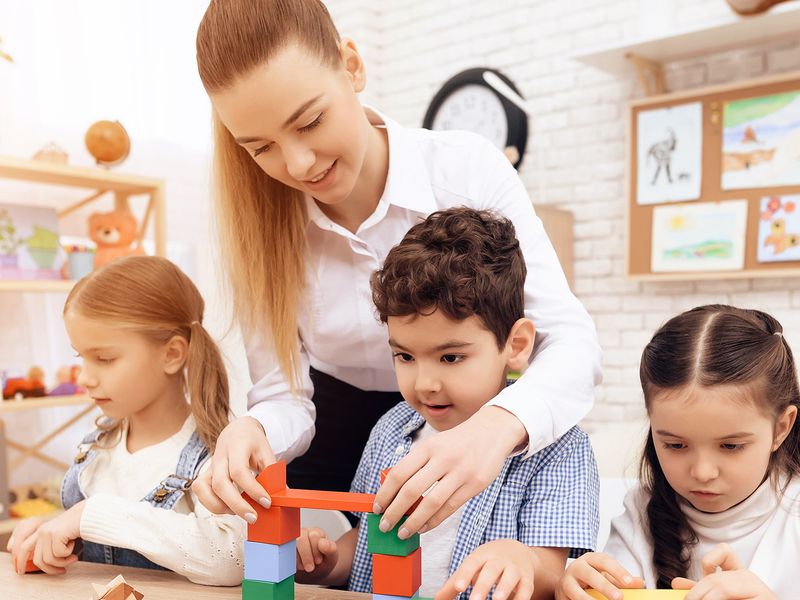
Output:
x=550 y=499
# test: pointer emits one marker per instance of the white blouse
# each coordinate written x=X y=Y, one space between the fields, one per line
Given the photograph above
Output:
x=340 y=334
x=763 y=531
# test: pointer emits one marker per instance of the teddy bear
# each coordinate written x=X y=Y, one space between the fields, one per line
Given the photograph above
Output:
x=114 y=233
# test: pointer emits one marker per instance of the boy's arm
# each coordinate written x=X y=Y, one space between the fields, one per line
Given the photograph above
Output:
x=550 y=564
x=346 y=546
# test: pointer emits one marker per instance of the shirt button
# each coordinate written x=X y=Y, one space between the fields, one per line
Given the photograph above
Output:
x=400 y=450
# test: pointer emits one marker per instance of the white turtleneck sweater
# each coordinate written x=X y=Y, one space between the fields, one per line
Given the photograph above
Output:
x=188 y=539
x=763 y=531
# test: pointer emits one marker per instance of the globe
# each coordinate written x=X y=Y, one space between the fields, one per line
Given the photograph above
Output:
x=108 y=142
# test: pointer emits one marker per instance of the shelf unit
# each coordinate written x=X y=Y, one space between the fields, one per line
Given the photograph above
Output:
x=647 y=54
x=100 y=182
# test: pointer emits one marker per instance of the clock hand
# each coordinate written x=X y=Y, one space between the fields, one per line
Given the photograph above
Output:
x=502 y=88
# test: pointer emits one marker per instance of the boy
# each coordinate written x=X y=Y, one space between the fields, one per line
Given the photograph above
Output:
x=451 y=295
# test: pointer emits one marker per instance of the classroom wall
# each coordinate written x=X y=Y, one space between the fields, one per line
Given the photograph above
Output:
x=578 y=136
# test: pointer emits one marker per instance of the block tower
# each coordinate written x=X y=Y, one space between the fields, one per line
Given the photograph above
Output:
x=269 y=552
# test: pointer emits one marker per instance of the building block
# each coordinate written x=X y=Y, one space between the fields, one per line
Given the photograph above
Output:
x=379 y=542
x=31 y=568
x=263 y=590
x=397 y=575
x=644 y=594
x=273 y=477
x=324 y=500
x=390 y=597
x=274 y=526
x=269 y=562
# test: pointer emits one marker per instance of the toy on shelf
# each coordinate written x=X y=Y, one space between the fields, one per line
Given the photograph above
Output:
x=114 y=233
x=67 y=381
x=116 y=589
x=108 y=142
x=269 y=552
x=31 y=386
x=52 y=153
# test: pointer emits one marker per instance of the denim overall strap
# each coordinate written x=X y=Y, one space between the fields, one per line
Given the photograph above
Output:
x=173 y=487
x=71 y=492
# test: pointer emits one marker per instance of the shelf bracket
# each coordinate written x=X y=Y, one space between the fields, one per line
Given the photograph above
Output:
x=651 y=74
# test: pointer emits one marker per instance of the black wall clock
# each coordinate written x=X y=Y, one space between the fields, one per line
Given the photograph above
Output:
x=468 y=101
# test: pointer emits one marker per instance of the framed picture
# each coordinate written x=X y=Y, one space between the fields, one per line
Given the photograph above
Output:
x=29 y=247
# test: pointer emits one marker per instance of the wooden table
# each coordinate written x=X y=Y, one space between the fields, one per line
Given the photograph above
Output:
x=155 y=585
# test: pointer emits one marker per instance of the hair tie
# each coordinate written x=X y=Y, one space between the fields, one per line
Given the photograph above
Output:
x=778 y=333
x=193 y=323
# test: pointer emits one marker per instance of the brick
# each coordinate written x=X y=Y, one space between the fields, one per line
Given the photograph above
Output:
x=269 y=562
x=379 y=542
x=397 y=575
x=274 y=526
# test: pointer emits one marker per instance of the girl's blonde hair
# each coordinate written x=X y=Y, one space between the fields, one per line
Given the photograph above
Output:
x=154 y=298
x=262 y=222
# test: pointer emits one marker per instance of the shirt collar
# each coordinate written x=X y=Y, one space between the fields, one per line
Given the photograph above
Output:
x=407 y=183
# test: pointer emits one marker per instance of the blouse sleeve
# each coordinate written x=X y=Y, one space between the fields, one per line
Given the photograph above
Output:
x=288 y=419
x=627 y=542
x=557 y=389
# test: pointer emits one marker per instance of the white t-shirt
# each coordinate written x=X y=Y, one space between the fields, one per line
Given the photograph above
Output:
x=188 y=539
x=763 y=531
x=339 y=333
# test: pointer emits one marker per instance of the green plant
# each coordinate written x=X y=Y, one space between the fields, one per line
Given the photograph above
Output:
x=9 y=241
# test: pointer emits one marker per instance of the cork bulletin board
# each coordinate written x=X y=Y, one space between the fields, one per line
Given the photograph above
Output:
x=714 y=182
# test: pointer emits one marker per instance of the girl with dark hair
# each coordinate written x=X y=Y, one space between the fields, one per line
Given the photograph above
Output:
x=716 y=509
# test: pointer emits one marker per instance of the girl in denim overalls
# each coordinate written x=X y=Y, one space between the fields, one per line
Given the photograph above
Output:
x=159 y=379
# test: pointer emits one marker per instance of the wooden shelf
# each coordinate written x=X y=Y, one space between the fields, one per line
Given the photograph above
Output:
x=7 y=406
x=782 y=20
x=84 y=177
x=37 y=285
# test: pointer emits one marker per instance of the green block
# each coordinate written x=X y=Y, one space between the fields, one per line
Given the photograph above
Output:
x=388 y=543
x=264 y=590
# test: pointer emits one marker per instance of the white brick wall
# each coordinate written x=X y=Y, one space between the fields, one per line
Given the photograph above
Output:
x=579 y=126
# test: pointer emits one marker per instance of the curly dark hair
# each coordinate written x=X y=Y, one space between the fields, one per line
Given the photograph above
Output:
x=712 y=345
x=461 y=261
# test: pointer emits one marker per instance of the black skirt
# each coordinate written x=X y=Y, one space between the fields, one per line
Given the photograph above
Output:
x=345 y=416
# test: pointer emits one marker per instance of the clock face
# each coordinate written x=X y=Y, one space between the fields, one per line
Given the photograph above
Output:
x=475 y=108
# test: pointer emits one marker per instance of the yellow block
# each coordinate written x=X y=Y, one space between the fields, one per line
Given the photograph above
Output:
x=644 y=594
x=31 y=508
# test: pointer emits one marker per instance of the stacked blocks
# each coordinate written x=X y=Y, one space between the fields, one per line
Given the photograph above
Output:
x=269 y=552
x=396 y=563
x=270 y=549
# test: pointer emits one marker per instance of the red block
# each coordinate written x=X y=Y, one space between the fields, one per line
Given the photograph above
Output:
x=324 y=500
x=273 y=478
x=397 y=575
x=274 y=526
x=414 y=506
x=31 y=568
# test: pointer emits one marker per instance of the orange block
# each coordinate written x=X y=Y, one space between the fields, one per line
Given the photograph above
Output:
x=397 y=575
x=273 y=526
x=273 y=478
x=31 y=568
x=324 y=500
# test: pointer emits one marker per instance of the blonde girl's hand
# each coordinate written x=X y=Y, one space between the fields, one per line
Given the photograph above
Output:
x=317 y=555
x=461 y=461
x=598 y=571
x=55 y=541
x=508 y=564
x=724 y=578
x=22 y=542
x=242 y=447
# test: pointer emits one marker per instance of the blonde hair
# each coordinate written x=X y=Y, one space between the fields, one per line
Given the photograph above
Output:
x=262 y=222
x=154 y=298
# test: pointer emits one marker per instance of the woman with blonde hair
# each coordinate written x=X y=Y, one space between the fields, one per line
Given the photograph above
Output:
x=312 y=190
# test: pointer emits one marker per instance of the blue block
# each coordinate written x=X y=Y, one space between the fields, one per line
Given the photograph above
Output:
x=269 y=562
x=390 y=597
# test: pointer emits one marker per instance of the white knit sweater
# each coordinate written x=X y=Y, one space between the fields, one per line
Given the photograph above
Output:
x=204 y=547
x=763 y=531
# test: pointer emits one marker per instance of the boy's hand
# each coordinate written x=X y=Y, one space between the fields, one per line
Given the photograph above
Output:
x=507 y=563
x=598 y=571
x=22 y=542
x=316 y=555
x=55 y=541
x=724 y=577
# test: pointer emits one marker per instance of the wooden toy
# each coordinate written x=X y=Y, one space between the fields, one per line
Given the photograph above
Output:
x=644 y=594
x=379 y=542
x=116 y=589
x=397 y=575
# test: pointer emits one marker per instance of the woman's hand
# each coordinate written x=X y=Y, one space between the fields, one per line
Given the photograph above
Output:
x=461 y=462
x=598 y=571
x=241 y=448
x=506 y=563
x=724 y=578
x=55 y=541
x=22 y=542
x=317 y=555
